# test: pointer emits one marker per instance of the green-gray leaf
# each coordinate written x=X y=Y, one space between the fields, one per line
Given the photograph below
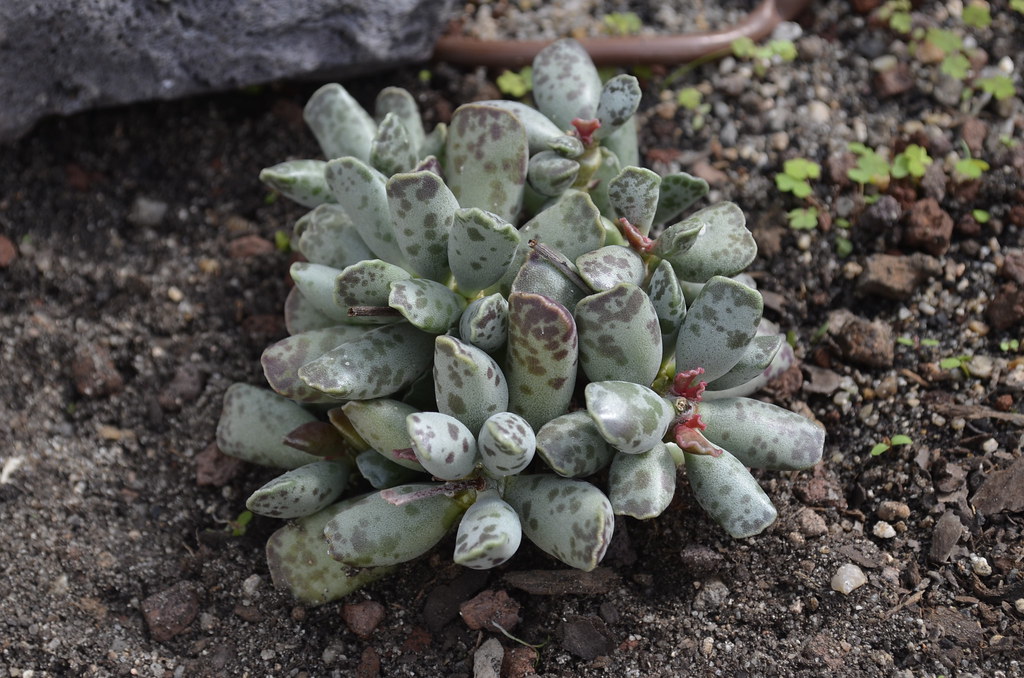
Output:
x=634 y=196
x=540 y=131
x=362 y=192
x=608 y=168
x=426 y=304
x=669 y=303
x=339 y=123
x=300 y=492
x=300 y=315
x=550 y=173
x=253 y=423
x=422 y=210
x=481 y=247
x=631 y=417
x=763 y=435
x=506 y=443
x=724 y=247
x=281 y=361
x=381 y=423
x=677 y=239
x=718 y=327
x=642 y=485
x=443 y=444
x=620 y=97
x=327 y=236
x=468 y=384
x=392 y=150
x=484 y=323
x=607 y=266
x=538 y=275
x=760 y=352
x=367 y=283
x=397 y=101
x=572 y=446
x=382 y=473
x=726 y=490
x=566 y=84
x=299 y=180
x=489 y=533
x=678 y=192
x=619 y=334
x=623 y=143
x=316 y=283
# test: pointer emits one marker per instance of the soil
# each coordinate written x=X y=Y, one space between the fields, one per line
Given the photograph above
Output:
x=139 y=278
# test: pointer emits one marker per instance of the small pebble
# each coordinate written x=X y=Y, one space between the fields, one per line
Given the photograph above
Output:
x=980 y=566
x=893 y=510
x=990 y=446
x=1019 y=604
x=848 y=578
x=883 y=530
x=174 y=294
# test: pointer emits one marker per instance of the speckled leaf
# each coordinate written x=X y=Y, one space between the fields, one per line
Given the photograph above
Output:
x=676 y=240
x=763 y=435
x=433 y=148
x=726 y=490
x=367 y=283
x=754 y=361
x=642 y=485
x=316 y=283
x=281 y=361
x=422 y=211
x=634 y=196
x=484 y=323
x=381 y=423
x=620 y=339
x=566 y=145
x=620 y=97
x=381 y=362
x=372 y=531
x=480 y=249
x=486 y=158
x=399 y=102
x=489 y=533
x=542 y=358
x=565 y=83
x=328 y=237
x=392 y=151
x=608 y=168
x=540 y=131
x=320 y=439
x=572 y=446
x=468 y=384
x=607 y=266
x=623 y=143
x=426 y=304
x=678 y=192
x=718 y=327
x=537 y=275
x=507 y=444
x=302 y=316
x=254 y=421
x=299 y=562
x=724 y=247
x=443 y=445
x=339 y=123
x=362 y=192
x=300 y=492
x=550 y=173
x=382 y=473
x=631 y=417
x=569 y=519
x=667 y=296
x=299 y=180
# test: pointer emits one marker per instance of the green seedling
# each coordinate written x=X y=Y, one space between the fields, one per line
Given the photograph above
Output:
x=622 y=23
x=981 y=216
x=999 y=86
x=282 y=241
x=896 y=13
x=762 y=55
x=1007 y=345
x=803 y=218
x=794 y=176
x=871 y=168
x=515 y=84
x=913 y=161
x=977 y=15
x=889 y=443
x=955 y=362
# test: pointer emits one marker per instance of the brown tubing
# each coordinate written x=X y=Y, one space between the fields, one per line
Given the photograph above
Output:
x=625 y=51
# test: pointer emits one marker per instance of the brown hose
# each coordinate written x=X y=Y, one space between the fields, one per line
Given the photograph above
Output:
x=625 y=51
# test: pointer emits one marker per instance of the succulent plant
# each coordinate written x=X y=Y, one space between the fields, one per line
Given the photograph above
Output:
x=487 y=316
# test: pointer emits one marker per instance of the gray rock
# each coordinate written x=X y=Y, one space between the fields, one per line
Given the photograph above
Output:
x=64 y=56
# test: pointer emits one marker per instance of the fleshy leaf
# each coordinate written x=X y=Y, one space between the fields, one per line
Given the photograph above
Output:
x=316 y=283
x=570 y=520
x=392 y=151
x=382 y=473
x=620 y=97
x=725 y=489
x=642 y=485
x=327 y=236
x=468 y=384
x=486 y=158
x=422 y=209
x=550 y=173
x=281 y=361
x=607 y=266
x=484 y=323
x=443 y=444
x=623 y=143
x=724 y=247
x=631 y=417
x=755 y=360
x=489 y=533
x=634 y=196
x=608 y=168
x=299 y=180
x=619 y=334
x=572 y=446
x=566 y=145
x=507 y=444
x=300 y=315
x=762 y=435
x=399 y=102
x=362 y=192
x=678 y=192
x=428 y=305
x=381 y=362
x=433 y=148
x=718 y=327
x=542 y=358
x=300 y=492
x=669 y=303
x=339 y=123
x=320 y=439
x=372 y=531
x=566 y=85
x=540 y=131
x=367 y=283
x=537 y=275
x=254 y=421
x=480 y=249
x=299 y=562
x=677 y=239
x=381 y=423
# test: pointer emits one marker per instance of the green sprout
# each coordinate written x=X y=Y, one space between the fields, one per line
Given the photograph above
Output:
x=977 y=15
x=623 y=23
x=913 y=161
x=945 y=40
x=897 y=14
x=999 y=86
x=794 y=175
x=239 y=525
x=803 y=218
x=889 y=443
x=689 y=98
x=971 y=168
x=956 y=66
x=1017 y=6
x=981 y=216
x=1009 y=345
x=515 y=84
x=871 y=167
x=956 y=362
x=425 y=76
x=762 y=55
x=282 y=242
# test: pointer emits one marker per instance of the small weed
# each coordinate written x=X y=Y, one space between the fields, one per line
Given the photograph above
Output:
x=981 y=216
x=913 y=161
x=871 y=167
x=956 y=66
x=425 y=76
x=622 y=23
x=794 y=175
x=999 y=86
x=803 y=218
x=762 y=55
x=271 y=198
x=896 y=13
x=977 y=15
x=956 y=362
x=971 y=168
x=282 y=242
x=844 y=247
x=689 y=98
x=1017 y=6
x=1007 y=345
x=889 y=443
x=239 y=525
x=515 y=84
x=946 y=40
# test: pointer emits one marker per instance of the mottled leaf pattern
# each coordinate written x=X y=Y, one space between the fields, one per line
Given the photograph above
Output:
x=382 y=473
x=339 y=123
x=540 y=131
x=318 y=438
x=607 y=266
x=620 y=97
x=566 y=145
x=489 y=533
x=480 y=249
x=608 y=168
x=542 y=358
x=300 y=315
x=507 y=444
x=327 y=236
x=619 y=335
x=372 y=531
x=468 y=384
x=642 y=485
x=316 y=283
x=725 y=489
x=367 y=283
x=565 y=83
x=392 y=151
x=254 y=421
x=677 y=239
x=569 y=519
x=381 y=423
x=755 y=360
x=299 y=180
x=422 y=211
x=631 y=417
x=486 y=158
x=633 y=195
x=381 y=362
x=550 y=173
x=762 y=435
x=718 y=327
x=724 y=247
x=572 y=446
x=669 y=303
x=678 y=192
x=426 y=304
x=484 y=323
x=537 y=275
x=397 y=101
x=362 y=192
x=281 y=361
x=443 y=444
x=300 y=492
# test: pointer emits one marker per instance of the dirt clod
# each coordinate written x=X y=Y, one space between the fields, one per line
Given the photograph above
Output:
x=171 y=611
x=362 y=618
x=489 y=610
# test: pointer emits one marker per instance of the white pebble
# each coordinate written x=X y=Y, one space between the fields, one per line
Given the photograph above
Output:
x=884 y=530
x=1019 y=604
x=980 y=566
x=848 y=578
x=174 y=294
x=990 y=446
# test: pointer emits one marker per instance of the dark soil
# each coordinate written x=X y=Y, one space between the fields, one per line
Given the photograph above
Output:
x=120 y=329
